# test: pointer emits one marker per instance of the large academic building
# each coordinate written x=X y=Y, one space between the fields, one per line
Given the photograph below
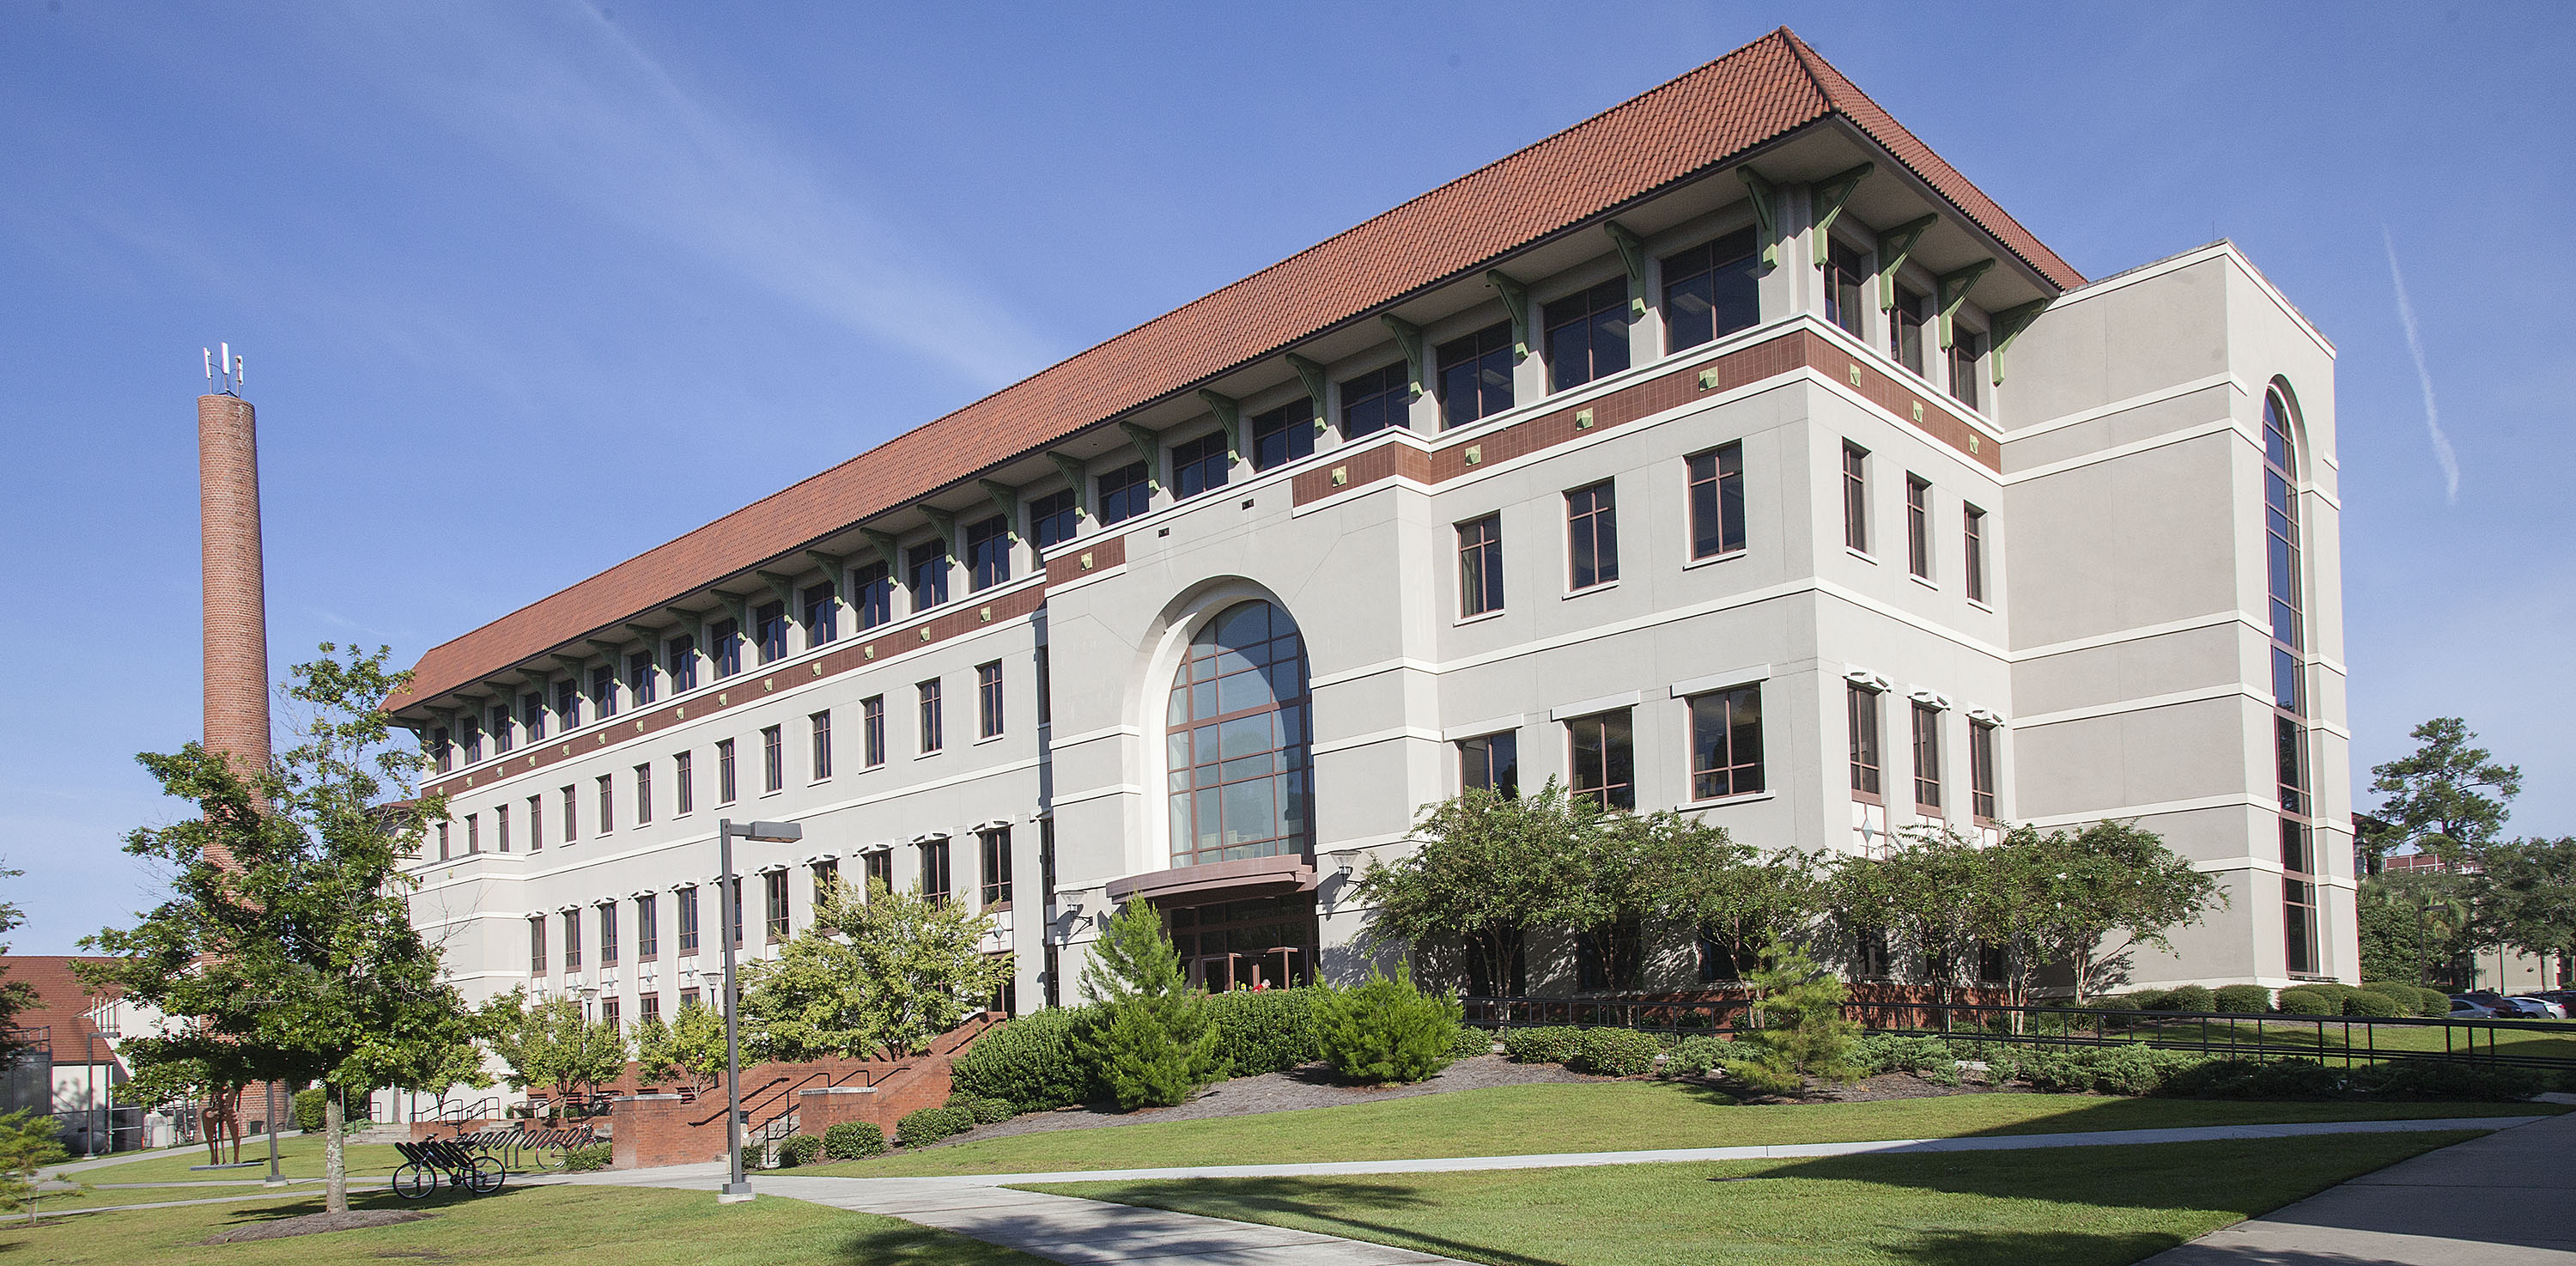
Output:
x=1727 y=452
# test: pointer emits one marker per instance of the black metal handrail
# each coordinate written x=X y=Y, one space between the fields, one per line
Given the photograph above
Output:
x=2266 y=1034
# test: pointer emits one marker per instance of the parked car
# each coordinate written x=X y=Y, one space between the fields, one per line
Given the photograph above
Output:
x=2565 y=998
x=2467 y=1009
x=2536 y=1008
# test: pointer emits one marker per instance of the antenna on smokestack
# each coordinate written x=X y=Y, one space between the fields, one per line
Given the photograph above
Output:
x=225 y=371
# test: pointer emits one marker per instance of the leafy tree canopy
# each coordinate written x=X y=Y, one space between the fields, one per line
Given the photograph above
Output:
x=2444 y=797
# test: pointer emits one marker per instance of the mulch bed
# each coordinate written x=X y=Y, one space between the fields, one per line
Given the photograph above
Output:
x=315 y=1224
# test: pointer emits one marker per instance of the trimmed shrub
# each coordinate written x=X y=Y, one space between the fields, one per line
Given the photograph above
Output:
x=1550 y=1044
x=308 y=1110
x=2114 y=1002
x=799 y=1149
x=1696 y=1057
x=591 y=1159
x=2110 y=1070
x=984 y=1111
x=2376 y=1005
x=853 y=1140
x=2147 y=1000
x=2254 y=1079
x=2301 y=1000
x=1472 y=1042
x=1615 y=1052
x=1264 y=1030
x=2242 y=1000
x=1930 y=1058
x=2184 y=998
x=1386 y=1030
x=929 y=1125
x=1034 y=1063
x=2447 y=1079
x=2432 y=1002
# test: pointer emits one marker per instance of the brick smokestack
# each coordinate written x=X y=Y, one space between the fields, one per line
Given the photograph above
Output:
x=236 y=597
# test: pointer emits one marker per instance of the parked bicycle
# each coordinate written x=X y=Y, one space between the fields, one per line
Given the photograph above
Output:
x=425 y=1161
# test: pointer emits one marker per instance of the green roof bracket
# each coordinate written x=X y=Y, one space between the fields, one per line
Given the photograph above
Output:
x=947 y=525
x=2009 y=324
x=649 y=636
x=1830 y=195
x=1632 y=252
x=833 y=565
x=1006 y=500
x=1313 y=376
x=1229 y=414
x=1954 y=291
x=1071 y=469
x=1151 y=449
x=781 y=587
x=1766 y=213
x=1516 y=301
x=1409 y=337
x=1895 y=246
x=886 y=551
x=613 y=650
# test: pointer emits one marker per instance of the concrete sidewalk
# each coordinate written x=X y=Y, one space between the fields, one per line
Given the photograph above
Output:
x=2494 y=1201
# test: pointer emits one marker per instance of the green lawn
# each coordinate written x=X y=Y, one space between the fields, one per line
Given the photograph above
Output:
x=1597 y=1117
x=2294 y=1036
x=2094 y=1206
x=53 y=1202
x=540 y=1226
x=297 y=1157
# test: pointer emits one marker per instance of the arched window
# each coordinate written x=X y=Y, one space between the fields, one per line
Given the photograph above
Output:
x=1237 y=730
x=2289 y=697
x=2281 y=530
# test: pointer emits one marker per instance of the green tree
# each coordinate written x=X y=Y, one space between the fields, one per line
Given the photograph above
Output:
x=552 y=1042
x=15 y=995
x=286 y=941
x=2105 y=892
x=1928 y=890
x=690 y=1048
x=1743 y=907
x=27 y=1142
x=1153 y=1039
x=1798 y=1027
x=892 y=972
x=1659 y=869
x=2526 y=897
x=2444 y=797
x=1385 y=1029
x=1487 y=870
x=2419 y=925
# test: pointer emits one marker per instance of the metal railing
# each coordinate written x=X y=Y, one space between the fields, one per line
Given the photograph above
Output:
x=2348 y=1039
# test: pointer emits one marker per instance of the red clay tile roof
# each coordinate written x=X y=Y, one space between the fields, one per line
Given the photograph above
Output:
x=62 y=1004
x=1718 y=112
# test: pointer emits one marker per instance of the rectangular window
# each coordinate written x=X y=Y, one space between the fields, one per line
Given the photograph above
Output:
x=1726 y=743
x=501 y=735
x=880 y=867
x=1856 y=497
x=995 y=847
x=1046 y=858
x=536 y=824
x=537 y=945
x=608 y=934
x=1283 y=435
x=684 y=782
x=648 y=1008
x=1846 y=282
x=1592 y=530
x=1046 y=689
x=773 y=758
x=1973 y=566
x=822 y=727
x=827 y=876
x=501 y=828
x=1863 y=723
x=1199 y=465
x=727 y=643
x=1927 y=758
x=572 y=940
x=726 y=786
x=639 y=676
x=931 y=738
x=608 y=1013
x=822 y=614
x=1964 y=346
x=644 y=794
x=926 y=574
x=988 y=699
x=1918 y=527
x=1052 y=519
x=648 y=927
x=1480 y=565
x=603 y=689
x=1711 y=290
x=872 y=595
x=568 y=703
x=2299 y=922
x=734 y=913
x=571 y=805
x=1491 y=763
x=769 y=629
x=473 y=834
x=774 y=891
x=872 y=744
x=1603 y=766
x=473 y=740
x=2290 y=755
x=1981 y=770
x=680 y=656
x=988 y=553
x=607 y=805
x=532 y=716
x=1905 y=329
x=1125 y=493
x=934 y=871
x=684 y=904
x=1476 y=375
x=1717 y=502
x=439 y=749
x=1377 y=400
x=1587 y=335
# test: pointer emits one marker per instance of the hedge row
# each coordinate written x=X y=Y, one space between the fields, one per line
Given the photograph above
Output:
x=2377 y=999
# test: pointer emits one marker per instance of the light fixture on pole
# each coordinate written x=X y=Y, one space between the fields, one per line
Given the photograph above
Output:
x=737 y=1187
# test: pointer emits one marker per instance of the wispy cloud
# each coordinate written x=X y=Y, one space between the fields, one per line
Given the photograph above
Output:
x=587 y=110
x=2443 y=454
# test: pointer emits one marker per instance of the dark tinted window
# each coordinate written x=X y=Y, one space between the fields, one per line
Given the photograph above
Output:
x=1051 y=519
x=1476 y=375
x=771 y=623
x=1283 y=435
x=988 y=553
x=1376 y=400
x=1717 y=502
x=872 y=594
x=928 y=565
x=1846 y=281
x=1587 y=335
x=1491 y=763
x=1711 y=289
x=1125 y=493
x=822 y=615
x=1592 y=527
x=1199 y=464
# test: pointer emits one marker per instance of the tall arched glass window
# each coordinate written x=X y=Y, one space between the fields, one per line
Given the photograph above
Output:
x=2289 y=698
x=1238 y=736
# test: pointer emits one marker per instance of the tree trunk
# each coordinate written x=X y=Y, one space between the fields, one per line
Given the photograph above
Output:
x=335 y=1158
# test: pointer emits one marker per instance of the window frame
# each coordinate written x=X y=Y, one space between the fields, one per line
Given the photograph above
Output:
x=1618 y=724
x=1731 y=253
x=1981 y=771
x=1205 y=461
x=988 y=700
x=1592 y=533
x=1972 y=568
x=1292 y=425
x=872 y=731
x=823 y=615
x=819 y=740
x=1726 y=780
x=1584 y=310
x=988 y=553
x=1046 y=516
x=773 y=759
x=993 y=856
x=1722 y=502
x=1490 y=762
x=1388 y=390
x=644 y=794
x=1926 y=748
x=1480 y=566
x=1132 y=496
x=872 y=595
x=1856 y=498
x=931 y=716
x=1476 y=354
x=728 y=776
x=925 y=575
x=1864 y=723
x=1918 y=526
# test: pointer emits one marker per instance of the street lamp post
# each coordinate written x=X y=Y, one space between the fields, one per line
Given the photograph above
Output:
x=737 y=1187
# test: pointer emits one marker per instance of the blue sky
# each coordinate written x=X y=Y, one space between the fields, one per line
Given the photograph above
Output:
x=528 y=288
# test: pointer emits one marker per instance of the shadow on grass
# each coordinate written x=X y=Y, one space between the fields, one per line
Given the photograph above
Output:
x=1334 y=1206
x=2040 y=1248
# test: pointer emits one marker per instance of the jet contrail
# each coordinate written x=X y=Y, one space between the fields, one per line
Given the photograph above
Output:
x=2442 y=451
